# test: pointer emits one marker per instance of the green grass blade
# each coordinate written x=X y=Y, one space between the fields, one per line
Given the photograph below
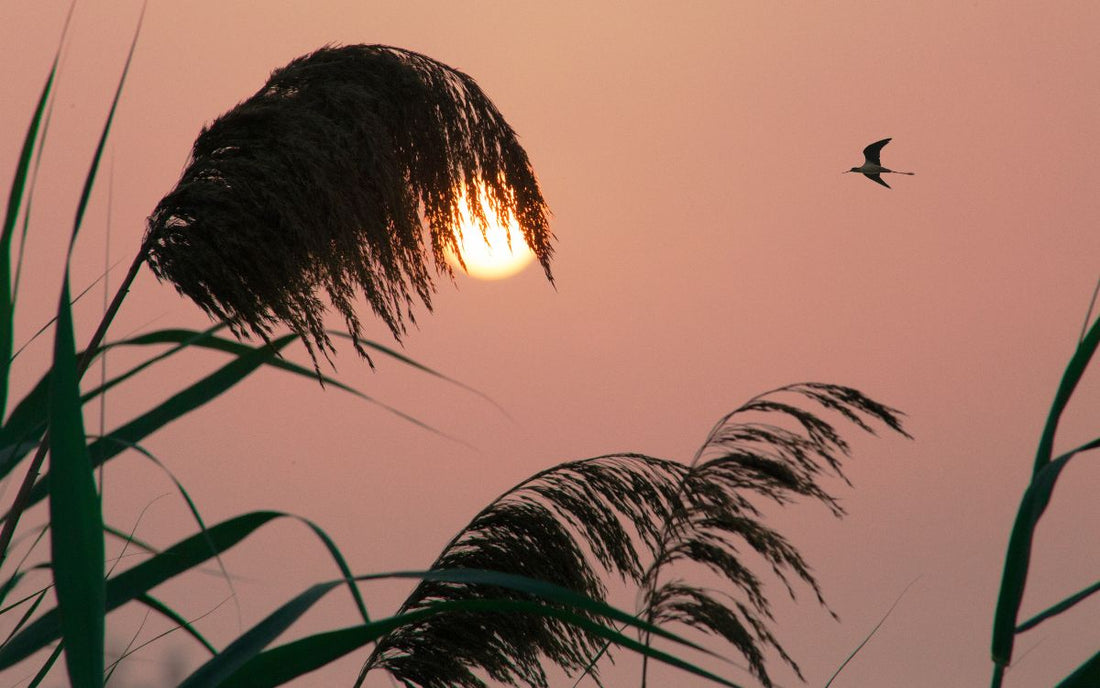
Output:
x=1086 y=676
x=31 y=596
x=1017 y=560
x=191 y=507
x=123 y=535
x=76 y=520
x=42 y=672
x=180 y=336
x=28 y=613
x=9 y=585
x=279 y=665
x=19 y=573
x=1058 y=608
x=250 y=643
x=174 y=616
x=342 y=564
x=140 y=579
x=89 y=181
x=25 y=426
x=11 y=217
x=49 y=323
x=287 y=662
x=541 y=589
x=1034 y=503
x=393 y=353
x=127 y=586
x=867 y=638
x=184 y=402
x=243 y=664
x=1076 y=368
x=27 y=423
x=180 y=404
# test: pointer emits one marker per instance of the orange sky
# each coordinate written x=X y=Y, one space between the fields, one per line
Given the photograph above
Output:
x=708 y=249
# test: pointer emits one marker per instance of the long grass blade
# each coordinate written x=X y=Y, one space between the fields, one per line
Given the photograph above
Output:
x=237 y=348
x=393 y=353
x=76 y=520
x=870 y=635
x=49 y=323
x=28 y=613
x=1074 y=371
x=127 y=586
x=1086 y=676
x=130 y=539
x=20 y=502
x=191 y=507
x=19 y=573
x=26 y=425
x=242 y=664
x=89 y=181
x=541 y=589
x=249 y=644
x=176 y=406
x=1034 y=503
x=127 y=650
x=1088 y=314
x=11 y=216
x=31 y=596
x=1058 y=608
x=132 y=649
x=45 y=669
x=330 y=545
x=176 y=618
x=140 y=579
x=287 y=662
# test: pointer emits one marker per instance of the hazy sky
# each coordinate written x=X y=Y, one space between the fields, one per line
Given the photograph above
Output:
x=708 y=249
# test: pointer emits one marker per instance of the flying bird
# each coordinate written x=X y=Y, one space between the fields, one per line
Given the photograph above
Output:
x=871 y=167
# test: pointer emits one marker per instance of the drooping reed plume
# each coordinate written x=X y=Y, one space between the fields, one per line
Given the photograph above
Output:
x=325 y=180
x=637 y=517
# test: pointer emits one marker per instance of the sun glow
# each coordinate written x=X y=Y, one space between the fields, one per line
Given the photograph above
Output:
x=498 y=253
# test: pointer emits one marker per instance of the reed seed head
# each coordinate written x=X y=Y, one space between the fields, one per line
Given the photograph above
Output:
x=325 y=182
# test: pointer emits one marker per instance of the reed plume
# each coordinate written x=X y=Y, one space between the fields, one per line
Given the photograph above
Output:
x=636 y=517
x=325 y=180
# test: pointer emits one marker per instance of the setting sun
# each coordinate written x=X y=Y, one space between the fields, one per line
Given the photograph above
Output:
x=498 y=253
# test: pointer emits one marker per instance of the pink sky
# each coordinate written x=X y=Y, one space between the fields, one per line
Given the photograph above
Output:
x=708 y=249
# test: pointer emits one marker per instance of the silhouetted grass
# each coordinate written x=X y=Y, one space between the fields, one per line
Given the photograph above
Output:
x=420 y=132
x=327 y=180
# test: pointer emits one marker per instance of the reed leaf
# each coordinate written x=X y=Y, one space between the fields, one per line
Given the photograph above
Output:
x=631 y=516
x=243 y=663
x=1057 y=609
x=11 y=216
x=76 y=521
x=1034 y=503
x=176 y=406
x=325 y=179
x=27 y=422
x=1085 y=676
x=176 y=618
x=185 y=555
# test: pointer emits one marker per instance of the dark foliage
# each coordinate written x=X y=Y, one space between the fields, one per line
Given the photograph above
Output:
x=326 y=179
x=620 y=512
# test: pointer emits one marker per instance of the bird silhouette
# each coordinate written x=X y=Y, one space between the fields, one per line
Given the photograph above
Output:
x=871 y=167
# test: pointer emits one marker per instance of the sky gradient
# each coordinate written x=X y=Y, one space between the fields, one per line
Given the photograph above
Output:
x=708 y=249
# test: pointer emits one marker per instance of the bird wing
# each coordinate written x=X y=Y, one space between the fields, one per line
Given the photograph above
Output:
x=876 y=178
x=871 y=152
